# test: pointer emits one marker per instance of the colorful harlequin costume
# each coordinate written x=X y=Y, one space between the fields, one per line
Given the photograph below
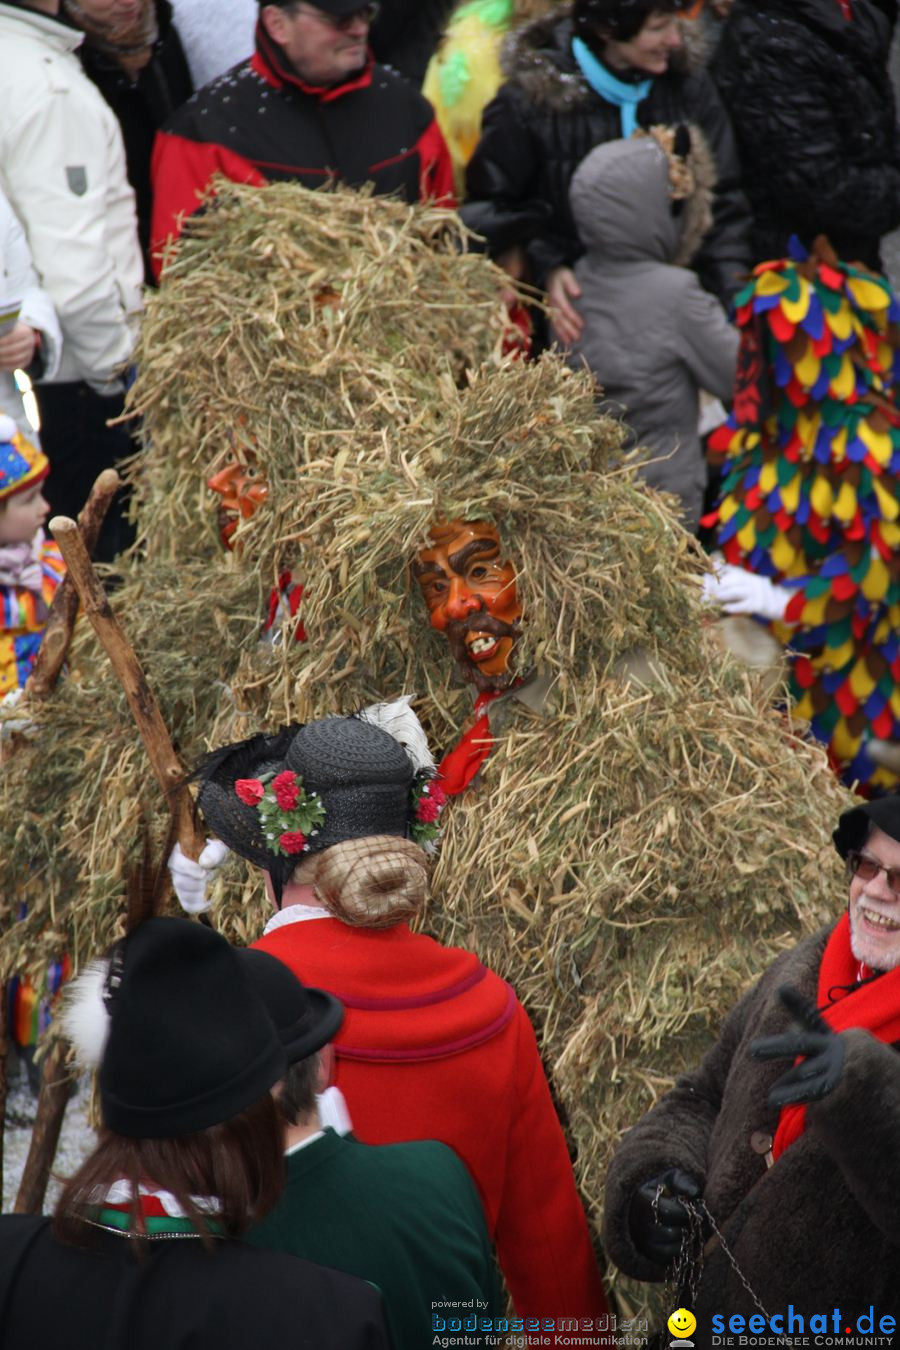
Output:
x=809 y=495
x=29 y=572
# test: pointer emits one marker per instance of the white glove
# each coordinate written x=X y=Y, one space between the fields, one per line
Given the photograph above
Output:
x=333 y=1111
x=21 y=726
x=190 y=880
x=740 y=592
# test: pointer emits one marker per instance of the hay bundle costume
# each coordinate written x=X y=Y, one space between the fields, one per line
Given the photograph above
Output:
x=637 y=843
x=810 y=495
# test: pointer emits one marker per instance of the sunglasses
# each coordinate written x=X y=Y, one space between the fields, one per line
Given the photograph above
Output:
x=345 y=22
x=867 y=869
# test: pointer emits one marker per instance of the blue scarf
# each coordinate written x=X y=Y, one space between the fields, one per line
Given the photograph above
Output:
x=624 y=96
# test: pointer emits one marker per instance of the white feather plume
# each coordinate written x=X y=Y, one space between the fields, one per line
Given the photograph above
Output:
x=398 y=720
x=83 y=1016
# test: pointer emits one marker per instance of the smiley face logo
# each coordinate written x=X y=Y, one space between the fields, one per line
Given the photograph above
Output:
x=682 y=1323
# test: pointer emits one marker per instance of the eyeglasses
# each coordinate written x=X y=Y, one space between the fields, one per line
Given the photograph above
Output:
x=867 y=869
x=344 y=22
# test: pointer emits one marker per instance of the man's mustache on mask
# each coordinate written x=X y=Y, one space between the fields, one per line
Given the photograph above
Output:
x=480 y=621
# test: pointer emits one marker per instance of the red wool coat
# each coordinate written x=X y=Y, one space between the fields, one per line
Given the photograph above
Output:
x=434 y=1046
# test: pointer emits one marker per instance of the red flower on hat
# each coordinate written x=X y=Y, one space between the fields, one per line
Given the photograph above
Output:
x=427 y=810
x=437 y=794
x=292 y=841
x=250 y=791
x=286 y=790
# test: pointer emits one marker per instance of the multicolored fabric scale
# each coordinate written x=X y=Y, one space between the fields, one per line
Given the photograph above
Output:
x=29 y=1009
x=811 y=456
x=23 y=618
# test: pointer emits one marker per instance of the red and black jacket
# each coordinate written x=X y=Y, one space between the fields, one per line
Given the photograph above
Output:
x=259 y=123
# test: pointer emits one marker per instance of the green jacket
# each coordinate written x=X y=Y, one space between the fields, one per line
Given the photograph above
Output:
x=406 y=1217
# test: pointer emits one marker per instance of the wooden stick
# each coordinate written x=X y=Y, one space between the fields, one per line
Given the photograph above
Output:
x=48 y=1121
x=144 y=708
x=39 y=686
x=64 y=609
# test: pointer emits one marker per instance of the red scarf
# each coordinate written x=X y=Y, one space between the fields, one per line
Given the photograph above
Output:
x=875 y=1007
x=460 y=765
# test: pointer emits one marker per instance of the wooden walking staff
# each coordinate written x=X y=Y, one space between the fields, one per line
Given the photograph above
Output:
x=64 y=607
x=144 y=708
x=170 y=776
x=45 y=1133
x=40 y=685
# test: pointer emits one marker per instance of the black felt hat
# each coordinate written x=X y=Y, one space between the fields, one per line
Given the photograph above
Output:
x=305 y=1018
x=854 y=825
x=362 y=775
x=190 y=1043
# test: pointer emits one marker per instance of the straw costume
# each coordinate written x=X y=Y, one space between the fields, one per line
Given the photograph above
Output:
x=434 y=1045
x=810 y=499
x=29 y=572
x=634 y=852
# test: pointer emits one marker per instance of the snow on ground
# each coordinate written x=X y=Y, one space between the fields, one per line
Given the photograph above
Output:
x=76 y=1140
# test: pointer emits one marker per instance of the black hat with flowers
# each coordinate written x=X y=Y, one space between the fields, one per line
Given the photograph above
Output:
x=273 y=799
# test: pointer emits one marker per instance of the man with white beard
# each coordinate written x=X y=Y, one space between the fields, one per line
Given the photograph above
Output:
x=782 y=1144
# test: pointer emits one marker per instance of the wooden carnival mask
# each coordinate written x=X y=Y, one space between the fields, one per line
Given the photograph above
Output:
x=471 y=595
x=241 y=492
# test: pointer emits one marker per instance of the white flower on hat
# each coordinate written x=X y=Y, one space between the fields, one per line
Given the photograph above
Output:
x=398 y=719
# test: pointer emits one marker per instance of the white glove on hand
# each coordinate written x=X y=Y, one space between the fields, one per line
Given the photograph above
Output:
x=190 y=880
x=740 y=592
x=22 y=726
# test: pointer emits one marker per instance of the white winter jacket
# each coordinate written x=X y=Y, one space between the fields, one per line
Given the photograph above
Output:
x=62 y=166
x=18 y=281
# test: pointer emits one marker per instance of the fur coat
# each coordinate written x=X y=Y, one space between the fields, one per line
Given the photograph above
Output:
x=819 y=1230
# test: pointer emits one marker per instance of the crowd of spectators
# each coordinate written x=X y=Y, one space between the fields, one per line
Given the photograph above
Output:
x=105 y=146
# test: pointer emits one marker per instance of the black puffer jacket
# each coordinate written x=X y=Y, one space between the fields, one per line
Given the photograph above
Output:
x=813 y=112
x=544 y=121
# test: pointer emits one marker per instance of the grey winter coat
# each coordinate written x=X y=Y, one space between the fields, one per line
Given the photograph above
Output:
x=652 y=336
x=821 y=1229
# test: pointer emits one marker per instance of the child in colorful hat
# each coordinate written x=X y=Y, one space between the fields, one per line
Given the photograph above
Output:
x=31 y=567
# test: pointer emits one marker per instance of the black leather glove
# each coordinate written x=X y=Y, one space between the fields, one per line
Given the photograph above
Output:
x=657 y=1225
x=820 y=1071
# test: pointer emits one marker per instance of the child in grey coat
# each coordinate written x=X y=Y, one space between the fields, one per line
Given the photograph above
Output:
x=652 y=336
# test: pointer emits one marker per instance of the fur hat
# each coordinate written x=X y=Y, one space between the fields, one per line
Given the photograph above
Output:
x=182 y=1038
x=22 y=465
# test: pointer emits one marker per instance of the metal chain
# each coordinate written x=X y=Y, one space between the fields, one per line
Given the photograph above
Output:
x=683 y=1278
